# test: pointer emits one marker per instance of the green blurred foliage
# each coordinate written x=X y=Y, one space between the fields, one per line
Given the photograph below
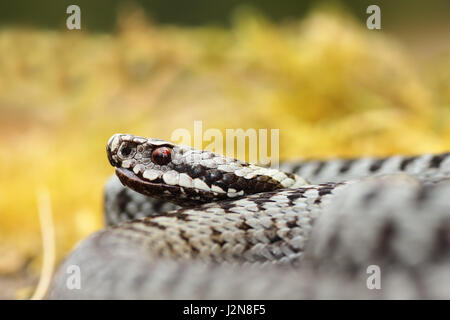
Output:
x=101 y=15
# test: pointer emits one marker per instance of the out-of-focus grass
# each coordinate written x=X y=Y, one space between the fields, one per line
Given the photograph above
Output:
x=332 y=87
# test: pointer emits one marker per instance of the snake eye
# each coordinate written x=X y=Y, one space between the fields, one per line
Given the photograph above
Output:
x=162 y=155
x=126 y=151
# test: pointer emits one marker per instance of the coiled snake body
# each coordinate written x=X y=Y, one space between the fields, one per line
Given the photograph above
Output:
x=235 y=230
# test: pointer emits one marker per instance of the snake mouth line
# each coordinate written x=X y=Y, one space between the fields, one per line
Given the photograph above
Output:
x=133 y=181
x=160 y=189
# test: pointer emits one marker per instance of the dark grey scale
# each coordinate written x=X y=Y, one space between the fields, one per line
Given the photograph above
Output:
x=297 y=194
x=437 y=160
x=229 y=178
x=226 y=180
x=377 y=164
x=241 y=184
x=185 y=237
x=277 y=254
x=386 y=236
x=295 y=250
x=406 y=161
x=298 y=167
x=331 y=184
x=263 y=178
x=179 y=214
x=320 y=166
x=259 y=186
x=325 y=191
x=271 y=185
x=161 y=206
x=122 y=201
x=260 y=204
x=268 y=195
x=216 y=236
x=272 y=235
x=226 y=205
x=441 y=242
x=180 y=168
x=333 y=241
x=346 y=165
x=294 y=196
x=259 y=183
x=205 y=179
x=293 y=223
x=423 y=193
x=214 y=175
x=244 y=226
x=245 y=184
x=326 y=185
x=290 y=175
x=332 y=245
x=211 y=176
x=151 y=223
x=196 y=171
x=371 y=196
x=170 y=246
x=248 y=245
x=221 y=184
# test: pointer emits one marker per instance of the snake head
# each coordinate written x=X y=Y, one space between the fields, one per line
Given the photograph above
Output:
x=132 y=152
x=185 y=175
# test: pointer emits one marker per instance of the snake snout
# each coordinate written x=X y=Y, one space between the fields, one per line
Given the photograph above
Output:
x=111 y=161
x=111 y=148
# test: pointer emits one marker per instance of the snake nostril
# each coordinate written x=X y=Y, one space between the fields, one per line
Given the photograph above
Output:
x=126 y=151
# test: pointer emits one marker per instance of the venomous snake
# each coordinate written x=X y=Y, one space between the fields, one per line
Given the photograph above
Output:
x=191 y=224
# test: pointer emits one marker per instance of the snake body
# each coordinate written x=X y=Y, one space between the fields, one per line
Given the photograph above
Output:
x=236 y=230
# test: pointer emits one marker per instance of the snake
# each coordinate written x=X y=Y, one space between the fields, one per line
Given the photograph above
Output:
x=185 y=223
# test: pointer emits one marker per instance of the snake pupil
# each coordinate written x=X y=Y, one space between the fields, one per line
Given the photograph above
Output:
x=161 y=156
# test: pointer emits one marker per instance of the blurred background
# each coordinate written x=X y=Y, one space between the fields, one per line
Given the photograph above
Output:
x=311 y=69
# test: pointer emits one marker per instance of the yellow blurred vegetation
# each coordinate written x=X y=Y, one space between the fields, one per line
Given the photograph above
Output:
x=332 y=87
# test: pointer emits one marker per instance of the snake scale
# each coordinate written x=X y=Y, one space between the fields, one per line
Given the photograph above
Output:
x=191 y=224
